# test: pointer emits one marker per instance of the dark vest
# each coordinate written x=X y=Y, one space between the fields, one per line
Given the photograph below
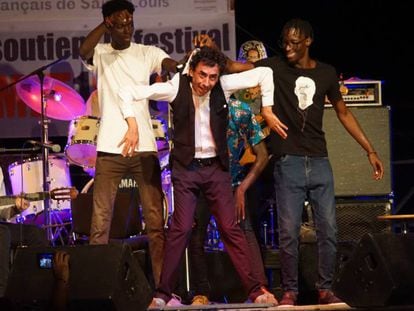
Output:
x=183 y=122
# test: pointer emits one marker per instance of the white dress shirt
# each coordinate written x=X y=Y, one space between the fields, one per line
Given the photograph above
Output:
x=167 y=91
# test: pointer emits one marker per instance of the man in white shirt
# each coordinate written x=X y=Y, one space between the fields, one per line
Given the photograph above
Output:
x=200 y=162
x=126 y=142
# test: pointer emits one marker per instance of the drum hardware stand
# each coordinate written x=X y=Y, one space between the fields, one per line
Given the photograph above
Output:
x=44 y=139
x=264 y=228
x=57 y=227
x=272 y=229
x=269 y=228
x=170 y=146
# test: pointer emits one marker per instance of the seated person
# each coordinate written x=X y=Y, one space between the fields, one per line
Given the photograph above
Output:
x=14 y=235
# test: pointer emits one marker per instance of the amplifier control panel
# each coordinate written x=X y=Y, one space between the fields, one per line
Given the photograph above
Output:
x=357 y=92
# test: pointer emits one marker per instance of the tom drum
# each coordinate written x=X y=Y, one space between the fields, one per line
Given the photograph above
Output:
x=81 y=146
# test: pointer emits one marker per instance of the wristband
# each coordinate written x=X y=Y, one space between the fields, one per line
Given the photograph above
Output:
x=371 y=152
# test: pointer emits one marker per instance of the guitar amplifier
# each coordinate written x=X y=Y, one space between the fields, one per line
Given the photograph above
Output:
x=357 y=92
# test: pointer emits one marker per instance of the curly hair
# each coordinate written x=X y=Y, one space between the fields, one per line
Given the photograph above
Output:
x=117 y=5
x=209 y=57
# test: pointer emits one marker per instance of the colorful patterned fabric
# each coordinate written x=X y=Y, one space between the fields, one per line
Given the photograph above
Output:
x=243 y=130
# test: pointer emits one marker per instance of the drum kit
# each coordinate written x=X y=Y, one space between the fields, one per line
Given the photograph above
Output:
x=54 y=99
x=81 y=151
x=51 y=98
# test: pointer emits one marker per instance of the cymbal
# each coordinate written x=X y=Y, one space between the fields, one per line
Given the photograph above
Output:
x=62 y=102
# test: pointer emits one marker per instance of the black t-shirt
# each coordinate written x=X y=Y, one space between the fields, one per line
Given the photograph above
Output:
x=299 y=100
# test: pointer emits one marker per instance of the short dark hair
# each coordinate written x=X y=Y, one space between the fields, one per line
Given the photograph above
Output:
x=210 y=57
x=302 y=26
x=112 y=6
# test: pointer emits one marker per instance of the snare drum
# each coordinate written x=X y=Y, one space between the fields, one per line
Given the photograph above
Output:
x=81 y=147
x=27 y=177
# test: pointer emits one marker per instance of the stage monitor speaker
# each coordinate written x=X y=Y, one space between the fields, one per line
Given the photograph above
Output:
x=351 y=169
x=308 y=268
x=355 y=218
x=379 y=273
x=102 y=277
x=126 y=220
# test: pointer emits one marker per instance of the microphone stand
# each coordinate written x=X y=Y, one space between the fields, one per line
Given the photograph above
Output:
x=44 y=139
x=45 y=157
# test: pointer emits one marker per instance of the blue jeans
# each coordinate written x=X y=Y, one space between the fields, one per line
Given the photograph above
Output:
x=300 y=178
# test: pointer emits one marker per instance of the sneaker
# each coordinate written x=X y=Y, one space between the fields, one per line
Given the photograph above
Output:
x=199 y=300
x=267 y=298
x=265 y=290
x=327 y=297
x=289 y=298
x=175 y=301
x=156 y=303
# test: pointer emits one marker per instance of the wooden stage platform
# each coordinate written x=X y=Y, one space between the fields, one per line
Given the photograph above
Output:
x=266 y=307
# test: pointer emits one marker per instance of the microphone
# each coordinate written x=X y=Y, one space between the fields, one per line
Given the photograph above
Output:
x=53 y=147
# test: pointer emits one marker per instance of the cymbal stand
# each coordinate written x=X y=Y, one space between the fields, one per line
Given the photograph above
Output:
x=55 y=228
x=170 y=146
x=44 y=138
x=45 y=157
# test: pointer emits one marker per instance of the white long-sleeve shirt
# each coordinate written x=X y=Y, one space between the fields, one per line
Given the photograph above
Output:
x=167 y=91
x=114 y=69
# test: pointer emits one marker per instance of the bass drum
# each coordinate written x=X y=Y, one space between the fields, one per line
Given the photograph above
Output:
x=27 y=177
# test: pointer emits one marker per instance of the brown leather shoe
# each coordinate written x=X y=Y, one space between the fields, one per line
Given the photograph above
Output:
x=200 y=300
x=289 y=298
x=327 y=297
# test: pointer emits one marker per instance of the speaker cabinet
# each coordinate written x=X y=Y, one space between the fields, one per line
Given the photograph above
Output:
x=126 y=220
x=379 y=273
x=224 y=280
x=355 y=218
x=351 y=169
x=308 y=269
x=102 y=277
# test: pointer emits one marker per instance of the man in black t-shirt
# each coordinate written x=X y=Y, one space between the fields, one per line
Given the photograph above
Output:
x=302 y=169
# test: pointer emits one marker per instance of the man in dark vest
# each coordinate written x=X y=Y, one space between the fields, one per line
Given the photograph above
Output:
x=199 y=160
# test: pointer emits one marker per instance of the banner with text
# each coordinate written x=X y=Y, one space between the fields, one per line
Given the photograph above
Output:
x=43 y=37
